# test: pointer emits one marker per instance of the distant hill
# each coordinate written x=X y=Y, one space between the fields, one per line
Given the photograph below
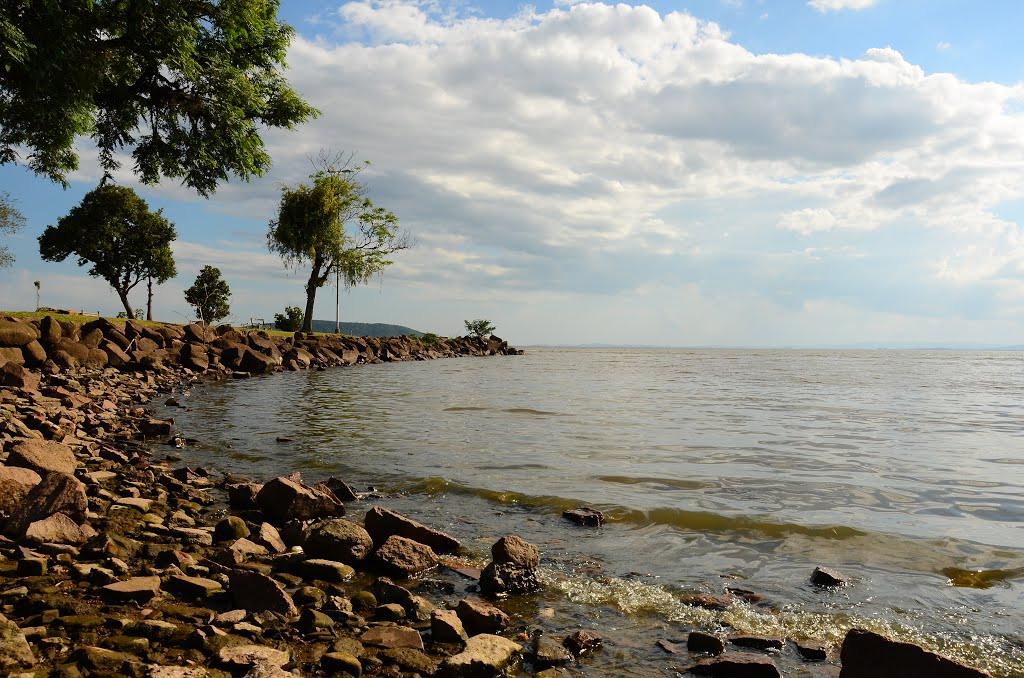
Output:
x=366 y=329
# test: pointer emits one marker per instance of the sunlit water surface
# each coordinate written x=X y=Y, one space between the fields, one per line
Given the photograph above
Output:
x=717 y=468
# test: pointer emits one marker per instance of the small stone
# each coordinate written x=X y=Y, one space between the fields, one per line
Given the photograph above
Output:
x=479 y=616
x=409 y=660
x=31 y=567
x=504 y=578
x=258 y=593
x=230 y=529
x=669 y=646
x=583 y=642
x=137 y=589
x=446 y=627
x=389 y=612
x=138 y=503
x=230 y=617
x=704 y=642
x=99 y=659
x=311 y=621
x=485 y=655
x=327 y=570
x=339 y=539
x=811 y=651
x=196 y=536
x=584 y=515
x=824 y=576
x=192 y=588
x=335 y=663
x=761 y=643
x=14 y=648
x=270 y=538
x=547 y=652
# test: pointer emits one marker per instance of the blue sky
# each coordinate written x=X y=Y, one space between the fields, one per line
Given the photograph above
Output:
x=723 y=172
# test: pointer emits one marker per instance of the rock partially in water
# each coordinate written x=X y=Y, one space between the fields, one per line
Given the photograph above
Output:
x=866 y=654
x=547 y=652
x=405 y=557
x=517 y=551
x=446 y=627
x=826 y=576
x=485 y=655
x=737 y=665
x=584 y=515
x=382 y=523
x=583 y=642
x=283 y=500
x=698 y=641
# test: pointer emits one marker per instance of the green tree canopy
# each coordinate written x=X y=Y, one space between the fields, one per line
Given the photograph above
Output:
x=11 y=221
x=209 y=295
x=185 y=84
x=290 y=320
x=479 y=327
x=334 y=228
x=113 y=229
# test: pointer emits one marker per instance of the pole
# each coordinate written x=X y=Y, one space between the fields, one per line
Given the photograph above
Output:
x=337 y=300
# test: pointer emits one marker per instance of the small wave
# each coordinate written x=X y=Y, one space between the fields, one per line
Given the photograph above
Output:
x=656 y=482
x=527 y=410
x=466 y=408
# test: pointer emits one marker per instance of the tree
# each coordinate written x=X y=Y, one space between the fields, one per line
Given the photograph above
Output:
x=187 y=85
x=11 y=221
x=312 y=228
x=479 y=327
x=209 y=295
x=113 y=229
x=290 y=320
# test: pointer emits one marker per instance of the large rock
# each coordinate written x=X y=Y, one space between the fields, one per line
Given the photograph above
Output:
x=339 y=539
x=56 y=493
x=137 y=589
x=16 y=376
x=405 y=557
x=15 y=651
x=479 y=616
x=199 y=333
x=393 y=636
x=14 y=333
x=43 y=456
x=382 y=523
x=282 y=500
x=252 y=655
x=866 y=654
x=11 y=355
x=517 y=551
x=257 y=592
x=485 y=655
x=58 y=529
x=446 y=627
x=504 y=578
x=741 y=665
x=15 y=484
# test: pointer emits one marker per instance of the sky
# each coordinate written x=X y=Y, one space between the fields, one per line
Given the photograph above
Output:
x=718 y=172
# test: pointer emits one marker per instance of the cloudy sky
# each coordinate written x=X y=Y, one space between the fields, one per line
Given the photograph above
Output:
x=720 y=172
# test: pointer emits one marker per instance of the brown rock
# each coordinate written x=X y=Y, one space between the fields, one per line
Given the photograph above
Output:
x=737 y=665
x=393 y=636
x=57 y=529
x=341 y=489
x=138 y=589
x=14 y=333
x=252 y=655
x=517 y=551
x=15 y=484
x=34 y=353
x=55 y=493
x=270 y=538
x=481 y=617
x=283 y=499
x=485 y=655
x=339 y=539
x=192 y=588
x=584 y=515
x=199 y=333
x=446 y=627
x=14 y=648
x=405 y=557
x=504 y=578
x=704 y=642
x=867 y=654
x=825 y=576
x=257 y=592
x=11 y=355
x=382 y=523
x=16 y=376
x=43 y=456
x=548 y=653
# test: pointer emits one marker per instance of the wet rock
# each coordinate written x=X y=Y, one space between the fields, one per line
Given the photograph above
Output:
x=669 y=646
x=282 y=500
x=547 y=653
x=485 y=655
x=56 y=493
x=251 y=655
x=736 y=665
x=516 y=551
x=446 y=627
x=811 y=651
x=15 y=484
x=393 y=636
x=43 y=456
x=327 y=570
x=479 y=616
x=341 y=663
x=761 y=643
x=583 y=642
x=824 y=576
x=230 y=529
x=698 y=641
x=14 y=648
x=505 y=578
x=867 y=654
x=382 y=523
x=584 y=515
x=136 y=589
x=339 y=539
x=257 y=592
x=341 y=490
x=405 y=557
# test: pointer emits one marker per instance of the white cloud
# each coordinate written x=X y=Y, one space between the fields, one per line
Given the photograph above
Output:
x=839 y=5
x=942 y=45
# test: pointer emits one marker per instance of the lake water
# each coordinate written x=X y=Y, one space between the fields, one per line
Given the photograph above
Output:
x=716 y=468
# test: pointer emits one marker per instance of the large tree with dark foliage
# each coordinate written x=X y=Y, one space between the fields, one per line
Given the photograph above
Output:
x=334 y=228
x=113 y=229
x=185 y=85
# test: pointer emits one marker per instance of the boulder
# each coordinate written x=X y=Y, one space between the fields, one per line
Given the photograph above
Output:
x=339 y=539
x=251 y=655
x=14 y=333
x=516 y=551
x=14 y=375
x=43 y=456
x=405 y=557
x=584 y=515
x=504 y=578
x=34 y=353
x=485 y=655
x=199 y=333
x=230 y=529
x=393 y=636
x=257 y=592
x=15 y=484
x=825 y=576
x=15 y=652
x=704 y=642
x=866 y=653
x=195 y=357
x=55 y=493
x=282 y=500
x=738 y=665
x=446 y=627
x=11 y=355
x=49 y=331
x=326 y=570
x=57 y=529
x=382 y=523
x=269 y=538
x=479 y=616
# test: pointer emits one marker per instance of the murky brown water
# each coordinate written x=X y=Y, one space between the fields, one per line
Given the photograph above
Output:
x=904 y=470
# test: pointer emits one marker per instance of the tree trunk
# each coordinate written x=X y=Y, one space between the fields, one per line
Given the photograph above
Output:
x=149 y=300
x=123 y=294
x=311 y=287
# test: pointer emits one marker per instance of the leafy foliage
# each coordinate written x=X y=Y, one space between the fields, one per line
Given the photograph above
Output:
x=11 y=221
x=479 y=327
x=209 y=295
x=113 y=229
x=333 y=227
x=430 y=339
x=185 y=84
x=290 y=320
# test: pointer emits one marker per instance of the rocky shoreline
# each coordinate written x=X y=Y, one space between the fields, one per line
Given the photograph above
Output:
x=116 y=562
